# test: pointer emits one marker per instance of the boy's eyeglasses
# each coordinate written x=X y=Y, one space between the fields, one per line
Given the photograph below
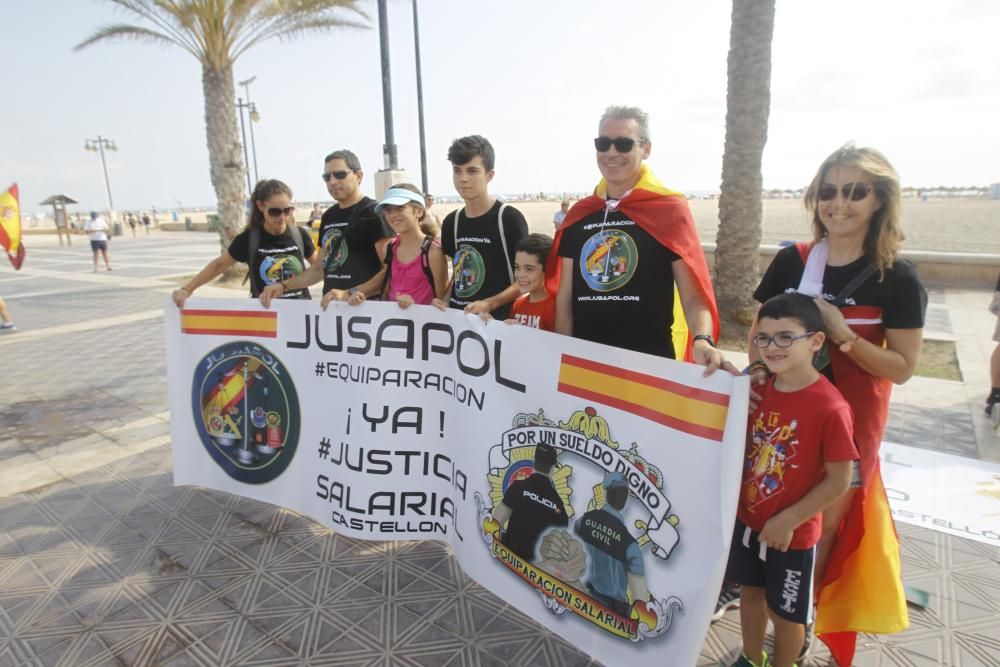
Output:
x=780 y=340
x=851 y=191
x=339 y=175
x=621 y=144
x=278 y=212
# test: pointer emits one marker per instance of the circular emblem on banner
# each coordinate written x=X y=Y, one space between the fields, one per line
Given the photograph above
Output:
x=332 y=242
x=246 y=411
x=608 y=260
x=279 y=267
x=470 y=271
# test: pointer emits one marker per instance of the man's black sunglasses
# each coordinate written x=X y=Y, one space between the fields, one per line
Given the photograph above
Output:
x=621 y=144
x=339 y=175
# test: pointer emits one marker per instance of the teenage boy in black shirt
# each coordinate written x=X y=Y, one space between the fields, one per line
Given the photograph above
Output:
x=530 y=506
x=353 y=239
x=479 y=238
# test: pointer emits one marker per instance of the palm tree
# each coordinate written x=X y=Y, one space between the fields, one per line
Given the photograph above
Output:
x=748 y=102
x=217 y=32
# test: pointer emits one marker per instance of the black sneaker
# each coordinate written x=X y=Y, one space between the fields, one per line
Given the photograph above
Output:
x=807 y=642
x=991 y=400
x=729 y=598
x=744 y=661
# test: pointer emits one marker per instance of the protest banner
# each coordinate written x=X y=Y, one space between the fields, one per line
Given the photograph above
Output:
x=387 y=424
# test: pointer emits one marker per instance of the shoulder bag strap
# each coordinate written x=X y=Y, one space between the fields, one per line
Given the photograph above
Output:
x=503 y=242
x=253 y=242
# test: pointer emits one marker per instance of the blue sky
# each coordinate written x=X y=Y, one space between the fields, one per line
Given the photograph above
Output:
x=916 y=79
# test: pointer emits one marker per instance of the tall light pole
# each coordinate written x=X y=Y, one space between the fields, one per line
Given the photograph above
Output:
x=254 y=117
x=98 y=145
x=420 y=100
x=389 y=148
x=241 y=105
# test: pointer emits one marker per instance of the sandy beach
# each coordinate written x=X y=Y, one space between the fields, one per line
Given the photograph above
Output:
x=950 y=225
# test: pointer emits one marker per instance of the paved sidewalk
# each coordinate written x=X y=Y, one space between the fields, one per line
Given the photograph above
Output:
x=104 y=562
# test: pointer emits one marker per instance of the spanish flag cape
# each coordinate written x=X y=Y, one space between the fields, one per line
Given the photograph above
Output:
x=666 y=216
x=862 y=590
x=10 y=226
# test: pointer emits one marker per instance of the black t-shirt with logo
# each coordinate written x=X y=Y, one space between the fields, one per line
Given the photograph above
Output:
x=623 y=284
x=900 y=297
x=277 y=259
x=349 y=256
x=535 y=505
x=481 y=267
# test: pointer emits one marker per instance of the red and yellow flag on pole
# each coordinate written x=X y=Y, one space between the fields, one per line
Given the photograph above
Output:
x=10 y=226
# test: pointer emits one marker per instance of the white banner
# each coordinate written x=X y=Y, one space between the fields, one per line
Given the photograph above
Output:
x=388 y=424
x=943 y=492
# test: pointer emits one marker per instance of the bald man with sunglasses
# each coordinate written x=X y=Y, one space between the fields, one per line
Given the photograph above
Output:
x=352 y=237
x=621 y=251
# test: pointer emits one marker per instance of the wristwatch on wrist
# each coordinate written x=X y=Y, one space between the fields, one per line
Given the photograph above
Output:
x=705 y=337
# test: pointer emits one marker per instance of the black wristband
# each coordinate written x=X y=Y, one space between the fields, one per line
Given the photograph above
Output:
x=705 y=337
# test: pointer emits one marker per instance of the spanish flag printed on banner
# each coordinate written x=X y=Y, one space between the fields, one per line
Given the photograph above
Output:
x=10 y=226
x=259 y=323
x=695 y=411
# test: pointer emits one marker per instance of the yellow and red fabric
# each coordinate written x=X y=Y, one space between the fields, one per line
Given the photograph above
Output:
x=666 y=216
x=10 y=226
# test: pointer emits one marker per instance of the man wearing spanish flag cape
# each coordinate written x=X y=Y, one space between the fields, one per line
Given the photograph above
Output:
x=627 y=266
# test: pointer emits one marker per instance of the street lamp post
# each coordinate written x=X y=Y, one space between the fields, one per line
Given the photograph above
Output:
x=420 y=99
x=253 y=118
x=389 y=148
x=243 y=131
x=98 y=145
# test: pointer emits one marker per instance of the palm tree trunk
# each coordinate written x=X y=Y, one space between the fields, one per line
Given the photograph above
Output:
x=748 y=102
x=224 y=154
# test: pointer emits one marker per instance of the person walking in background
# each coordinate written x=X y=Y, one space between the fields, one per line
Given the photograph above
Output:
x=560 y=215
x=146 y=222
x=7 y=324
x=993 y=400
x=131 y=223
x=97 y=229
x=431 y=224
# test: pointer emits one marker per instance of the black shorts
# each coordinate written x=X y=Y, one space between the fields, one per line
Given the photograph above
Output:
x=787 y=577
x=98 y=245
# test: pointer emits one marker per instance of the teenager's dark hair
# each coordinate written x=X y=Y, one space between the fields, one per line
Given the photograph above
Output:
x=794 y=306
x=545 y=458
x=264 y=191
x=349 y=158
x=538 y=245
x=464 y=149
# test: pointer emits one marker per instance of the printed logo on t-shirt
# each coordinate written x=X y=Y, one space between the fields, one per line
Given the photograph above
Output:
x=470 y=271
x=608 y=260
x=279 y=267
x=332 y=242
x=772 y=447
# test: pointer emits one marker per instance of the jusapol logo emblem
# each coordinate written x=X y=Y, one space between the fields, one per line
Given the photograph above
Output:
x=246 y=411
x=608 y=260
x=470 y=271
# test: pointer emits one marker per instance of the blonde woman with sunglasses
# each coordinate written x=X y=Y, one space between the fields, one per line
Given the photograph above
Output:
x=873 y=306
x=271 y=244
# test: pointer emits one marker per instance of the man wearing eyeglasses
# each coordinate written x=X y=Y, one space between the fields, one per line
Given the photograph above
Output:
x=353 y=239
x=622 y=251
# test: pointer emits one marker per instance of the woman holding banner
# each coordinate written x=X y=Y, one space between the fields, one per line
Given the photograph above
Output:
x=873 y=307
x=273 y=246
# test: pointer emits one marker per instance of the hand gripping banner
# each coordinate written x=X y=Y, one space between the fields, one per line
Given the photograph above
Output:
x=594 y=489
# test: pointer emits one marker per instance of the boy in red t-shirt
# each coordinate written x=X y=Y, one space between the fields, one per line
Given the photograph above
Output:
x=536 y=308
x=799 y=459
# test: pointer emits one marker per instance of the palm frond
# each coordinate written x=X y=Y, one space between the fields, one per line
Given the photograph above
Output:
x=125 y=31
x=289 y=19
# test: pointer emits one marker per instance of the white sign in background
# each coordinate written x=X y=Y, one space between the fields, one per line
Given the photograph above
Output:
x=943 y=492
x=384 y=424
